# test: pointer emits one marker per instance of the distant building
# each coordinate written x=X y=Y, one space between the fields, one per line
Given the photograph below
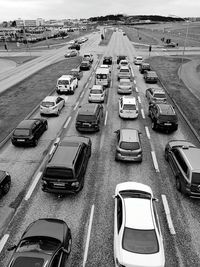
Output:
x=39 y=22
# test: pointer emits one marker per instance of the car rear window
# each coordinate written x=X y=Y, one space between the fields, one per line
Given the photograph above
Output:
x=164 y=118
x=28 y=261
x=61 y=173
x=63 y=82
x=124 y=70
x=87 y=118
x=25 y=132
x=159 y=95
x=140 y=241
x=129 y=107
x=96 y=91
x=129 y=145
x=196 y=177
x=125 y=83
x=48 y=104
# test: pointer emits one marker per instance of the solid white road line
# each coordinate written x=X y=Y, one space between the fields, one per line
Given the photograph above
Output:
x=142 y=111
x=86 y=85
x=88 y=236
x=168 y=215
x=67 y=122
x=134 y=81
x=3 y=241
x=82 y=94
x=106 y=116
x=136 y=89
x=31 y=189
x=147 y=132
x=155 y=162
x=77 y=103
x=139 y=100
x=54 y=145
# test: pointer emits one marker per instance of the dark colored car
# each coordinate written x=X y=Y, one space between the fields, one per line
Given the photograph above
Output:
x=89 y=118
x=45 y=243
x=28 y=132
x=144 y=67
x=75 y=46
x=107 y=60
x=65 y=171
x=120 y=57
x=77 y=73
x=85 y=65
x=163 y=117
x=150 y=77
x=5 y=182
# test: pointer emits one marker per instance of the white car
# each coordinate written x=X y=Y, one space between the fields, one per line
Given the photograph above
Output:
x=128 y=107
x=52 y=105
x=123 y=62
x=138 y=60
x=138 y=240
x=97 y=94
x=66 y=84
x=105 y=66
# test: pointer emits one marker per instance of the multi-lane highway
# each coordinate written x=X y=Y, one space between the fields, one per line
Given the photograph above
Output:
x=89 y=214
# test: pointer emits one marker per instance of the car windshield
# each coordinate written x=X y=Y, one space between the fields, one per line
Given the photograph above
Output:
x=196 y=177
x=96 y=92
x=61 y=173
x=129 y=145
x=44 y=244
x=101 y=76
x=159 y=95
x=129 y=107
x=63 y=82
x=140 y=241
x=24 y=132
x=124 y=70
x=28 y=261
x=48 y=104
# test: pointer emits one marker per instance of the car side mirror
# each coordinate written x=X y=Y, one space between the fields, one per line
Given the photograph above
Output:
x=155 y=199
x=12 y=248
x=117 y=131
x=113 y=196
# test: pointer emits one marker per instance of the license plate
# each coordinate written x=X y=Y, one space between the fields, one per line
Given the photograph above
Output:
x=86 y=124
x=168 y=124
x=59 y=184
x=21 y=140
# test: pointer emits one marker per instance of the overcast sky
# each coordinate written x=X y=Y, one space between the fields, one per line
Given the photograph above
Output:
x=64 y=9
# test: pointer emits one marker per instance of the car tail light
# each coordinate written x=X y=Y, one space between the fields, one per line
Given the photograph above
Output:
x=121 y=111
x=102 y=95
x=76 y=184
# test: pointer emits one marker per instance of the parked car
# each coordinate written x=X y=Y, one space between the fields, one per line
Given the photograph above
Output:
x=171 y=45
x=150 y=77
x=89 y=118
x=45 y=243
x=28 y=132
x=128 y=147
x=144 y=67
x=72 y=53
x=52 y=105
x=125 y=86
x=97 y=94
x=107 y=60
x=128 y=107
x=183 y=157
x=85 y=65
x=156 y=95
x=77 y=73
x=124 y=72
x=66 y=84
x=121 y=57
x=163 y=117
x=138 y=239
x=5 y=182
x=138 y=60
x=65 y=171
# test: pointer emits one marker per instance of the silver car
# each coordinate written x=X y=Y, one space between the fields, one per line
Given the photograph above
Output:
x=125 y=86
x=97 y=94
x=124 y=72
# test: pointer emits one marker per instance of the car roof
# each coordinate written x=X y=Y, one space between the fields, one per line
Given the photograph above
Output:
x=124 y=67
x=129 y=100
x=65 y=77
x=138 y=213
x=87 y=108
x=166 y=109
x=47 y=228
x=192 y=156
x=157 y=90
x=129 y=135
x=102 y=70
x=97 y=86
x=26 y=123
x=75 y=139
x=50 y=98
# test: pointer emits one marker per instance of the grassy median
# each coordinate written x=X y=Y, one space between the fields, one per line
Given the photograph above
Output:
x=18 y=101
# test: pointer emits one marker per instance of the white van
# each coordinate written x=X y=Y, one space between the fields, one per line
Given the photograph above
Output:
x=102 y=77
x=66 y=84
x=128 y=107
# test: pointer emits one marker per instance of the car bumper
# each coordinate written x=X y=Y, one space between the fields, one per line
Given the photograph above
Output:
x=22 y=143
x=62 y=191
x=128 y=116
x=87 y=129
x=172 y=127
x=137 y=158
x=124 y=91
x=49 y=112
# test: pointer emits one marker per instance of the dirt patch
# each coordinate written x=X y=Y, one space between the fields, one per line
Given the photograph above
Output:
x=18 y=101
x=167 y=70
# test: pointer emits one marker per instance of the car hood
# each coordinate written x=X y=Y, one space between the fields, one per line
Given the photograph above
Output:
x=130 y=259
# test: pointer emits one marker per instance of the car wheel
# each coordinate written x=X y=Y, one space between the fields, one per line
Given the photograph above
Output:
x=6 y=187
x=178 y=184
x=35 y=142
x=77 y=85
x=153 y=125
x=46 y=127
x=58 y=113
x=166 y=156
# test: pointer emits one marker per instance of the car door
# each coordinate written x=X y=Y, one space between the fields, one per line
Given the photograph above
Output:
x=57 y=260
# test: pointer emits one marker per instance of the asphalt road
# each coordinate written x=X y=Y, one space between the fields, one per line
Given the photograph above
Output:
x=89 y=214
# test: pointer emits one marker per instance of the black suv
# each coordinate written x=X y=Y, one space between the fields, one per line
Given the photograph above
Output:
x=89 y=118
x=85 y=65
x=5 y=181
x=64 y=173
x=144 y=67
x=28 y=132
x=120 y=57
x=163 y=117
x=107 y=60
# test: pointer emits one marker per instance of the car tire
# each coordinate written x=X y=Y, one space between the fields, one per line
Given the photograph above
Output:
x=166 y=156
x=58 y=113
x=35 y=143
x=77 y=85
x=6 y=187
x=153 y=125
x=46 y=127
x=178 y=184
